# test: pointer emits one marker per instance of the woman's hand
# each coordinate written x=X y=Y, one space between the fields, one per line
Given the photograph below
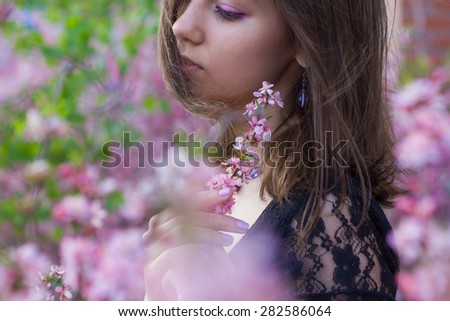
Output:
x=186 y=247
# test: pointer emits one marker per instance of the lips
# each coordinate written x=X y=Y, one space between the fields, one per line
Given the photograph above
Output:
x=188 y=65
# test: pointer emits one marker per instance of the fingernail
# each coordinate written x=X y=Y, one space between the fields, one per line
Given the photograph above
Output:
x=227 y=239
x=224 y=192
x=242 y=225
x=204 y=247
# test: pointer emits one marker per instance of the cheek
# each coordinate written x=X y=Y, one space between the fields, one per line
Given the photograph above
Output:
x=241 y=62
x=257 y=60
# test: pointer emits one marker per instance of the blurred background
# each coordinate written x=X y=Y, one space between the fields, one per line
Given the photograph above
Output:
x=75 y=75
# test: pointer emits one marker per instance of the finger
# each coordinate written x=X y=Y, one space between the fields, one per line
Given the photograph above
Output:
x=181 y=235
x=153 y=232
x=211 y=221
x=206 y=200
x=157 y=223
x=195 y=228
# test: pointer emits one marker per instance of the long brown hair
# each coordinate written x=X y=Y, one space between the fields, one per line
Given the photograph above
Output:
x=344 y=47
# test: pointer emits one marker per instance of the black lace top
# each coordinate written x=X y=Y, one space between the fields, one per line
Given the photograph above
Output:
x=339 y=260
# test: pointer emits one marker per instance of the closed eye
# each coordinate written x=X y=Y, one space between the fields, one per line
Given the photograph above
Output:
x=228 y=15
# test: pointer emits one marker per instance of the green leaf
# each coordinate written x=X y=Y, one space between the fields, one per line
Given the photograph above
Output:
x=114 y=201
x=150 y=103
x=9 y=211
x=165 y=106
x=57 y=234
x=17 y=150
x=52 y=189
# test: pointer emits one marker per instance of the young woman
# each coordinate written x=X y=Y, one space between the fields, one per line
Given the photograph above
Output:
x=327 y=58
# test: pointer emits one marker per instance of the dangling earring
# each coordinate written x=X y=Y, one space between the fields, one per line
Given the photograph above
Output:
x=303 y=98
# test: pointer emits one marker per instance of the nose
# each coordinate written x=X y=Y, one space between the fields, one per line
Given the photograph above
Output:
x=188 y=26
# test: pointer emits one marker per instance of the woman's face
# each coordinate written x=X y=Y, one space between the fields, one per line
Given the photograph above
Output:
x=232 y=46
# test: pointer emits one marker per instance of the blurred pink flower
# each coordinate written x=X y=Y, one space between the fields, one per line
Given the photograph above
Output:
x=415 y=93
x=113 y=71
x=72 y=209
x=422 y=207
x=138 y=201
x=438 y=243
x=109 y=268
x=84 y=179
x=144 y=75
x=35 y=127
x=12 y=183
x=425 y=283
x=37 y=171
x=5 y=11
x=18 y=73
x=39 y=128
x=417 y=150
x=28 y=260
x=422 y=230
x=107 y=186
x=409 y=237
x=79 y=256
x=119 y=272
x=79 y=209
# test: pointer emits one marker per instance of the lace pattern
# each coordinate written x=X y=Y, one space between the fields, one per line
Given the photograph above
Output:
x=340 y=259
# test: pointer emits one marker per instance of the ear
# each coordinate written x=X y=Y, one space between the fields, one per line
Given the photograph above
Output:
x=300 y=60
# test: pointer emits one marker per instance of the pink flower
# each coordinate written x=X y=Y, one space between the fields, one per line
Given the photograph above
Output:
x=56 y=270
x=239 y=144
x=417 y=150
x=266 y=88
x=72 y=208
x=250 y=109
x=5 y=11
x=18 y=73
x=79 y=256
x=221 y=181
x=414 y=94
x=232 y=164
x=37 y=171
x=83 y=179
x=425 y=283
x=276 y=99
x=78 y=209
x=112 y=278
x=408 y=238
x=35 y=125
x=28 y=260
x=261 y=129
x=225 y=208
x=405 y=204
x=112 y=68
x=258 y=95
x=53 y=284
x=422 y=207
